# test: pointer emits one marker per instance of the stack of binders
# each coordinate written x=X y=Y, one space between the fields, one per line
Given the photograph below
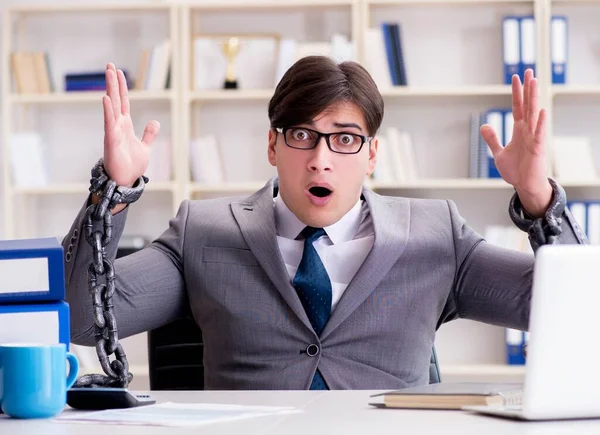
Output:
x=32 y=292
x=520 y=47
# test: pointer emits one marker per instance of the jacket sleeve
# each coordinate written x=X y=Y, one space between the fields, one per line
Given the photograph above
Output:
x=149 y=284
x=493 y=284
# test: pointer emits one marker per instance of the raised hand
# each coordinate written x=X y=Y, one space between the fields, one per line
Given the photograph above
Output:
x=522 y=162
x=126 y=157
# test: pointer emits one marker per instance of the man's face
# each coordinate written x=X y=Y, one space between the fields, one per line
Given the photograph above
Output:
x=318 y=185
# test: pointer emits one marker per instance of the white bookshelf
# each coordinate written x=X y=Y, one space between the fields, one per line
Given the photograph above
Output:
x=230 y=95
x=447 y=91
x=78 y=188
x=25 y=112
x=86 y=97
x=445 y=85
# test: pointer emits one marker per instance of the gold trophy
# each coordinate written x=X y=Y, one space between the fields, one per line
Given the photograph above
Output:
x=231 y=48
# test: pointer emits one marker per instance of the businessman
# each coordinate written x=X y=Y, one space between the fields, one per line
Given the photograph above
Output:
x=314 y=281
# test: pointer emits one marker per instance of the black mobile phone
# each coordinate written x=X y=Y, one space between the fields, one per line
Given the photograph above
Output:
x=106 y=398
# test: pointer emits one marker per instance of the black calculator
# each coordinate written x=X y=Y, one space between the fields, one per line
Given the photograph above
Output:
x=106 y=398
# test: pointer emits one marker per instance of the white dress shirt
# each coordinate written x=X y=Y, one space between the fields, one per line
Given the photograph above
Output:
x=342 y=251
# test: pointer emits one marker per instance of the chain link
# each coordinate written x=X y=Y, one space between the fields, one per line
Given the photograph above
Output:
x=101 y=278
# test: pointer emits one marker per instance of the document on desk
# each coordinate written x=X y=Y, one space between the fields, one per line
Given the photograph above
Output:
x=175 y=414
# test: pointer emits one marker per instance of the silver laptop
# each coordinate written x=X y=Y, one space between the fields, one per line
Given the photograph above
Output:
x=562 y=374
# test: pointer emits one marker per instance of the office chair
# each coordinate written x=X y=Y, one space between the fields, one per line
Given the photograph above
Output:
x=175 y=357
x=175 y=354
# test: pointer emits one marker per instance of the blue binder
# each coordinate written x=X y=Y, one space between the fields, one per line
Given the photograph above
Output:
x=46 y=323
x=528 y=43
x=31 y=270
x=558 y=48
x=390 y=53
x=495 y=118
x=514 y=346
x=511 y=47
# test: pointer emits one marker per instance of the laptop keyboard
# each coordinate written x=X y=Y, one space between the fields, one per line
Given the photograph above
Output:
x=512 y=398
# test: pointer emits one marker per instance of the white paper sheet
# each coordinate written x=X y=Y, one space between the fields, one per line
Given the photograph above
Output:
x=175 y=414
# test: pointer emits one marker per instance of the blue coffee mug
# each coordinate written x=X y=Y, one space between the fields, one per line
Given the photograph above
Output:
x=32 y=379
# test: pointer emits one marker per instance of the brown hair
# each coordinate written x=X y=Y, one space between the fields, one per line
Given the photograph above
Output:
x=314 y=83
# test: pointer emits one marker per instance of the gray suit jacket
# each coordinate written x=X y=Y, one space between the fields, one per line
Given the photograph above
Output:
x=219 y=260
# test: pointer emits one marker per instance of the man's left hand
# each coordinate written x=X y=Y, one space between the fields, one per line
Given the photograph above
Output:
x=522 y=162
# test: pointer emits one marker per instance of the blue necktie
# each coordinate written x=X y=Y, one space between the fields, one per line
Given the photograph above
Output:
x=314 y=289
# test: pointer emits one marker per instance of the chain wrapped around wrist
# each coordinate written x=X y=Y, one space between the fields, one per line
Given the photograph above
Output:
x=101 y=277
x=543 y=230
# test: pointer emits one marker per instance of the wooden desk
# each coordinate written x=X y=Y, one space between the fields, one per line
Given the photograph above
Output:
x=332 y=412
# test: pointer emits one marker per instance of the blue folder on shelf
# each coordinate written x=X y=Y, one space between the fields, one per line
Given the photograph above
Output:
x=511 y=46
x=45 y=323
x=31 y=270
x=558 y=49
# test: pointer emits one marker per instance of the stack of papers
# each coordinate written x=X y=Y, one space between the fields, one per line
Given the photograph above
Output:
x=175 y=414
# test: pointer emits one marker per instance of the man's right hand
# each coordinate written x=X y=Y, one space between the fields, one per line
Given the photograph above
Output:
x=126 y=157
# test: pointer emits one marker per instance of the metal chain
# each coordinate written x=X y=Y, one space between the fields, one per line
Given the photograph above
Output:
x=101 y=278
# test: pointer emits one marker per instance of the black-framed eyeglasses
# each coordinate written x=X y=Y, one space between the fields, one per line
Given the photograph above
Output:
x=340 y=142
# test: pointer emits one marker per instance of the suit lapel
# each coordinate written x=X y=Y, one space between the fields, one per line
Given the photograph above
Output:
x=256 y=219
x=391 y=225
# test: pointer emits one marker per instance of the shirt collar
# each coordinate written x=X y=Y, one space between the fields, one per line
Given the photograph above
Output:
x=344 y=230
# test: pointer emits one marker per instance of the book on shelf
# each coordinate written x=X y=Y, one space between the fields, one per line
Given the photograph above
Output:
x=573 y=159
x=31 y=72
x=519 y=43
x=158 y=75
x=206 y=161
x=396 y=160
x=449 y=395
x=160 y=166
x=587 y=215
x=27 y=159
x=385 y=59
x=88 y=81
x=481 y=160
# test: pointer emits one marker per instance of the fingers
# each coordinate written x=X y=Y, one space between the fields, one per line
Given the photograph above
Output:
x=112 y=88
x=109 y=121
x=150 y=132
x=491 y=138
x=517 y=98
x=526 y=93
x=123 y=92
x=540 y=129
x=534 y=104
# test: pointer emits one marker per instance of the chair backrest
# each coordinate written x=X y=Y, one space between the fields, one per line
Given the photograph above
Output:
x=175 y=354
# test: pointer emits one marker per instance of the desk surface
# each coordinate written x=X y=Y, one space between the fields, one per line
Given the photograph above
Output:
x=331 y=412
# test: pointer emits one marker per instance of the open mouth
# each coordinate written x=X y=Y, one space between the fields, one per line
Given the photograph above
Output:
x=320 y=192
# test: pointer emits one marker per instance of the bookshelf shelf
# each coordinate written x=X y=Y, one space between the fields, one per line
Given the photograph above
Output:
x=450 y=91
x=575 y=90
x=271 y=4
x=444 y=183
x=250 y=186
x=468 y=184
x=444 y=2
x=82 y=188
x=88 y=7
x=86 y=97
x=230 y=95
